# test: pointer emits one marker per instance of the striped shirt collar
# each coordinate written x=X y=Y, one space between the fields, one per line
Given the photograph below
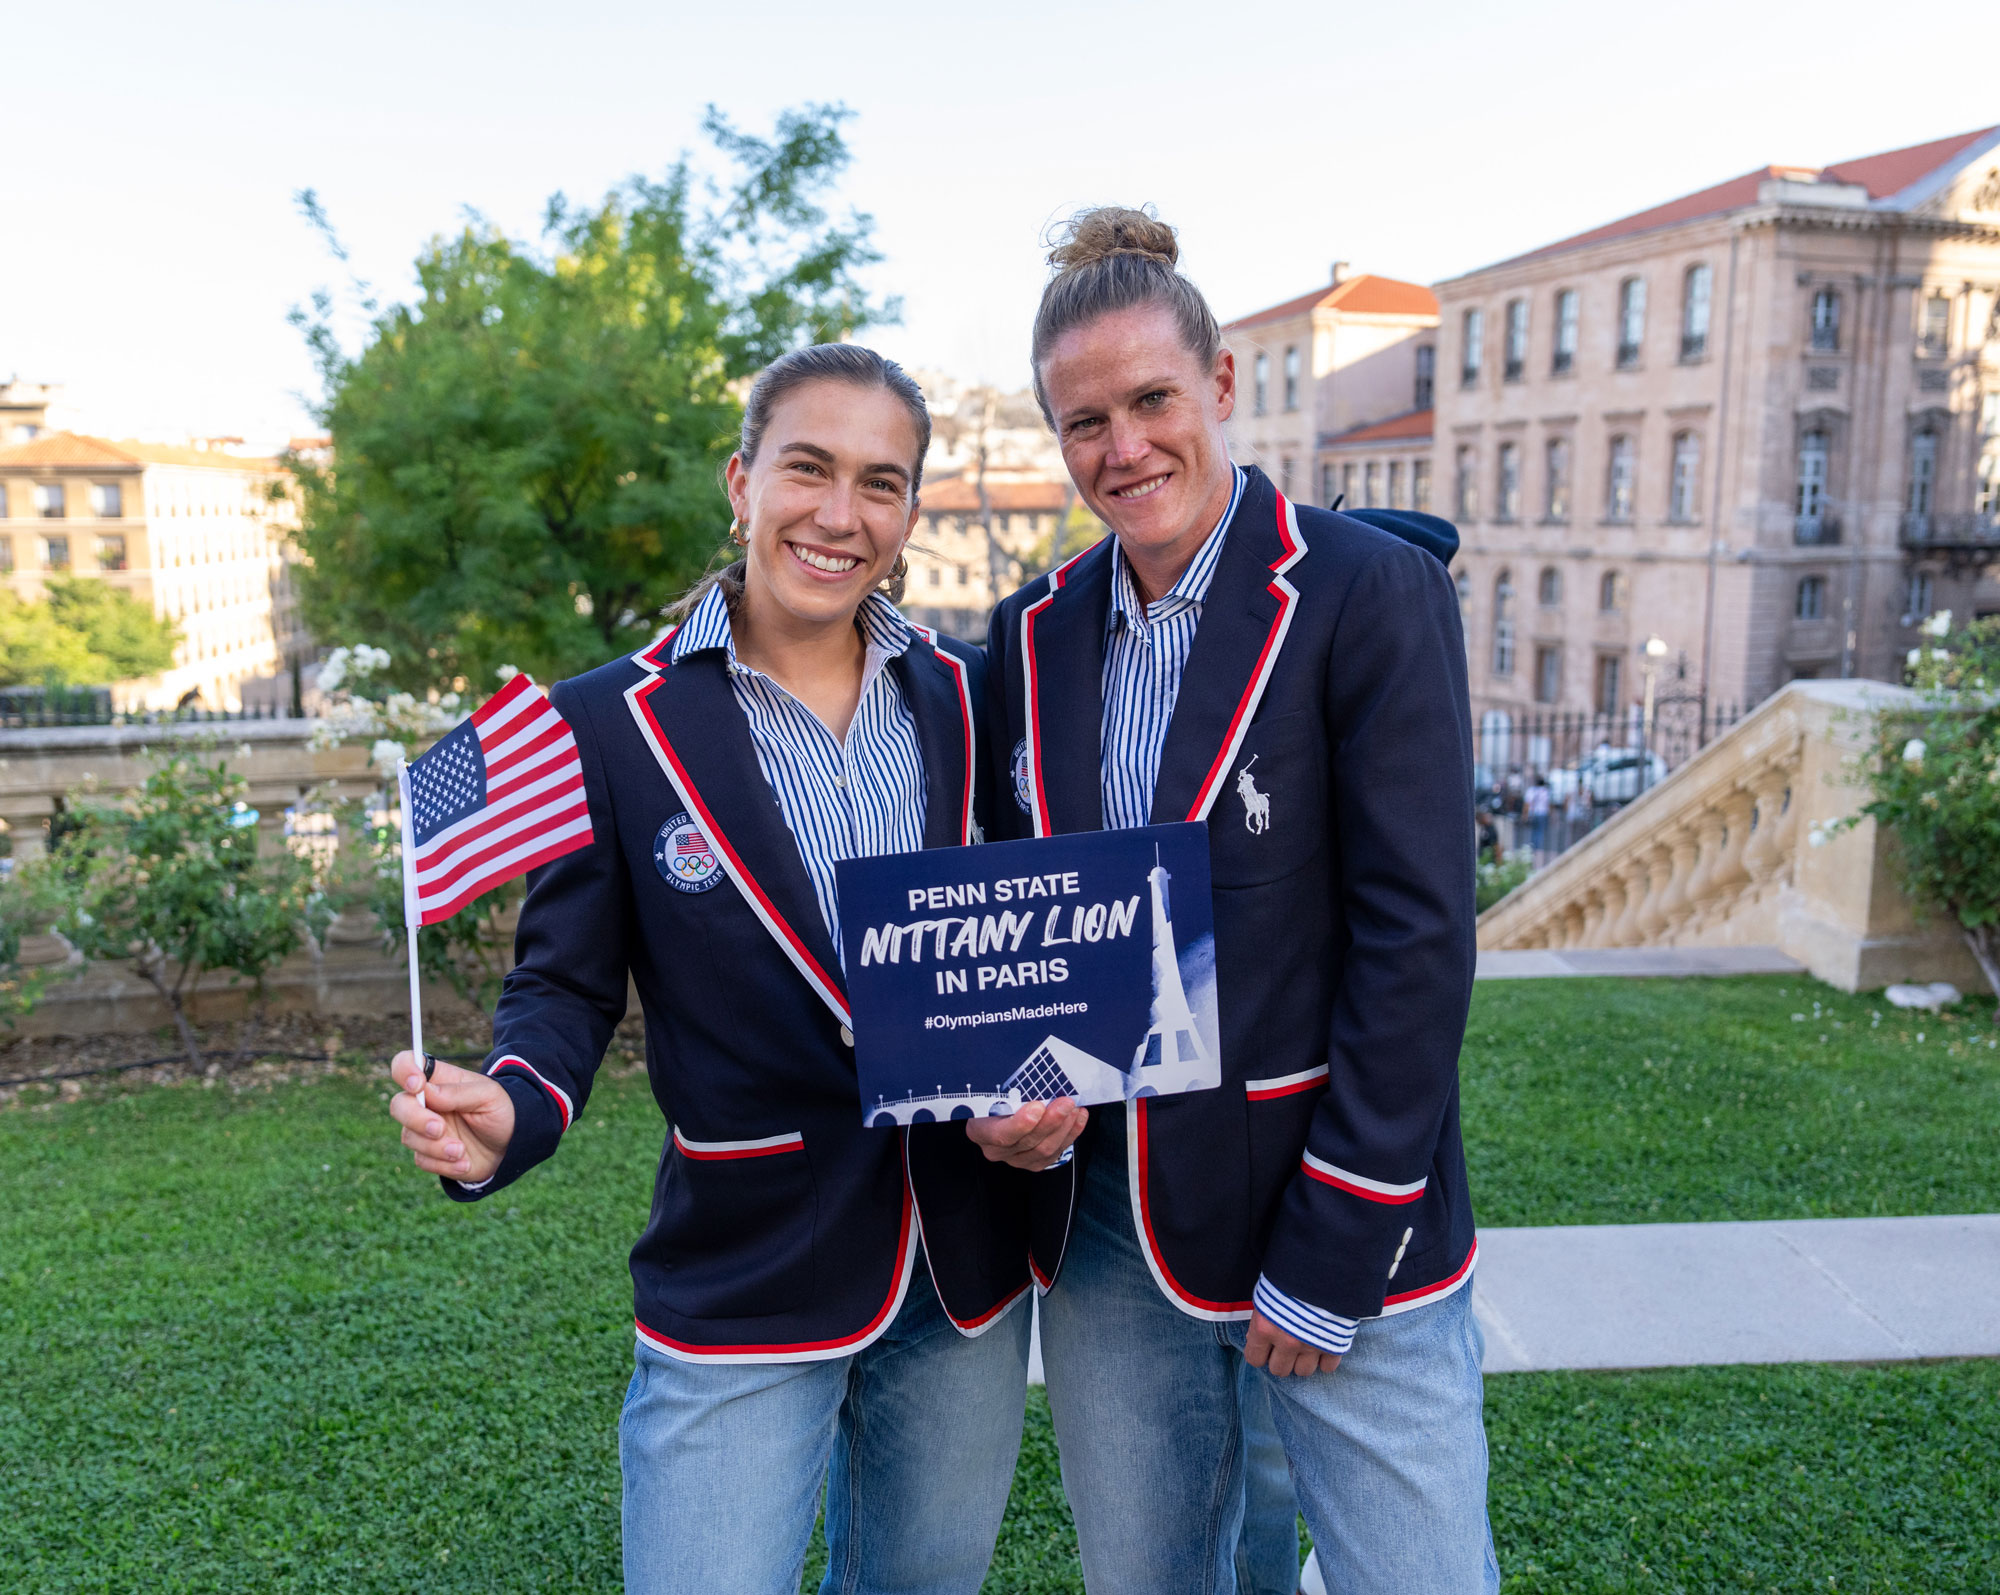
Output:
x=883 y=628
x=1192 y=588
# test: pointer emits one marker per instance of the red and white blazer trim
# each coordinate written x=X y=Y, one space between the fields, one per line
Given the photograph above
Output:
x=1359 y=1184
x=1284 y=1085
x=1423 y=1297
x=718 y=1151
x=563 y=1104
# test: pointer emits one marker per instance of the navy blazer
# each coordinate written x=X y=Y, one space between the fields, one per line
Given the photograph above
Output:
x=1330 y=665
x=781 y=1228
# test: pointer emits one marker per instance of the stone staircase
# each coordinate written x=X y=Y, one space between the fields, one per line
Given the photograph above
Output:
x=1721 y=854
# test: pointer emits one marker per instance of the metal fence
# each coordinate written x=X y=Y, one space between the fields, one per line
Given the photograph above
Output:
x=1545 y=779
x=22 y=708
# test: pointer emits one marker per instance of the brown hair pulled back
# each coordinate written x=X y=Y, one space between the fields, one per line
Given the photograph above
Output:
x=819 y=362
x=1113 y=258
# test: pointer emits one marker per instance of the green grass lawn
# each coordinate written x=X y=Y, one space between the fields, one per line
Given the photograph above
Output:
x=242 y=1347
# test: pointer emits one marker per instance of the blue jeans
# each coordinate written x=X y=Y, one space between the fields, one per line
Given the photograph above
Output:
x=1267 y=1551
x=915 y=1437
x=1388 y=1452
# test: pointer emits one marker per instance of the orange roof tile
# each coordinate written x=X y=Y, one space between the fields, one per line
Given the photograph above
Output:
x=1881 y=175
x=205 y=459
x=1362 y=296
x=65 y=448
x=959 y=495
x=1417 y=424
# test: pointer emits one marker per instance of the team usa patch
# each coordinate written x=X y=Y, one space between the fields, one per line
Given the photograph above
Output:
x=685 y=857
x=1021 y=791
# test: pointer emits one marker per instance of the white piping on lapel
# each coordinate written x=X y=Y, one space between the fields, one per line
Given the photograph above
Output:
x=1038 y=809
x=957 y=667
x=782 y=933
x=1246 y=708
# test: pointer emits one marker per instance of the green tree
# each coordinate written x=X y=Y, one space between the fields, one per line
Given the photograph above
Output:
x=170 y=878
x=1935 y=773
x=525 y=460
x=85 y=633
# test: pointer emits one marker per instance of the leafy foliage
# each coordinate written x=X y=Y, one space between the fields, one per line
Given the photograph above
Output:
x=171 y=879
x=1498 y=876
x=85 y=632
x=1935 y=773
x=527 y=457
x=30 y=901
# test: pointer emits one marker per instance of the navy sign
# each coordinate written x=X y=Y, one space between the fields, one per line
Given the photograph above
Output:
x=1077 y=966
x=685 y=857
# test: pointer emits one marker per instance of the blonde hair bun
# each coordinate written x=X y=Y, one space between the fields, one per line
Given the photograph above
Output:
x=1093 y=235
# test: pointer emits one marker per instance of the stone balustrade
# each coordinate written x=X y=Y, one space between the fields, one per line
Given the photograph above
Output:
x=1719 y=854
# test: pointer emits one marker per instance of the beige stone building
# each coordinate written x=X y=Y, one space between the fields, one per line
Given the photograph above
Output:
x=1360 y=350
x=957 y=575
x=1761 y=422
x=194 y=532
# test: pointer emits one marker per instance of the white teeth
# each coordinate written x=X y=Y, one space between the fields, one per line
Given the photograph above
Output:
x=826 y=562
x=1141 y=490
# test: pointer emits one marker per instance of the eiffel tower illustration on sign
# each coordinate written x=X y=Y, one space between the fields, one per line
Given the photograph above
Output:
x=1171 y=1057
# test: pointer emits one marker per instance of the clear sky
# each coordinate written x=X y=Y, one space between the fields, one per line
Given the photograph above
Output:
x=151 y=248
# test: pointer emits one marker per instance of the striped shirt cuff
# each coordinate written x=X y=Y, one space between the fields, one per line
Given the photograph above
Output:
x=1328 y=1331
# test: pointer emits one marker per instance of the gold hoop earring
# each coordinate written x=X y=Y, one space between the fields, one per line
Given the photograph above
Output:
x=900 y=571
x=738 y=536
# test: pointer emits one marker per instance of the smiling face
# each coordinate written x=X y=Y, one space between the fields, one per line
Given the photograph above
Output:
x=827 y=504
x=1139 y=419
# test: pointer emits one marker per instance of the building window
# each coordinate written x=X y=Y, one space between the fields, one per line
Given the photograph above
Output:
x=1285 y=467
x=1809 y=504
x=1935 y=336
x=1549 y=589
x=1826 y=321
x=1427 y=359
x=1371 y=485
x=1260 y=393
x=1624 y=467
x=1557 y=461
x=1923 y=481
x=1989 y=482
x=1291 y=376
x=1548 y=674
x=1695 y=293
x=1466 y=488
x=1918 y=598
x=1503 y=625
x=49 y=500
x=1607 y=683
x=1395 y=496
x=1507 y=506
x=1464 y=585
x=1810 y=601
x=6 y=553
x=1517 y=339
x=111 y=553
x=1608 y=594
x=1686 y=482
x=964 y=576
x=55 y=553
x=1564 y=358
x=1475 y=346
x=1347 y=498
x=1326 y=485
x=1420 y=486
x=1631 y=319
x=107 y=500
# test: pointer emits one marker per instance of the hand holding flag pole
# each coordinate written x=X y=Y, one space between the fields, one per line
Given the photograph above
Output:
x=492 y=799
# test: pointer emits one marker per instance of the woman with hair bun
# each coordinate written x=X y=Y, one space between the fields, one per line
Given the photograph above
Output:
x=816 y=1303
x=1295 y=679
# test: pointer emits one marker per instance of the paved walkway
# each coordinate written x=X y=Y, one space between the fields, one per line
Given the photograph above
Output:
x=1637 y=961
x=1687 y=1295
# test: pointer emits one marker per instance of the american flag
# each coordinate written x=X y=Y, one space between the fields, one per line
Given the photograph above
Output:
x=499 y=795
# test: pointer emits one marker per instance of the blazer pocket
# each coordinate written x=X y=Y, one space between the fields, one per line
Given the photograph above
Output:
x=1269 y=819
x=1280 y=1111
x=735 y=1226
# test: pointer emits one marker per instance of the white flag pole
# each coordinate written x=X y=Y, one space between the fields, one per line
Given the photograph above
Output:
x=412 y=917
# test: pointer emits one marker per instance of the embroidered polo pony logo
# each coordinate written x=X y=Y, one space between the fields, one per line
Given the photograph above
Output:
x=1256 y=805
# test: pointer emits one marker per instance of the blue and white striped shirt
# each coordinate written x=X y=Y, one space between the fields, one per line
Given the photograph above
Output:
x=851 y=798
x=1145 y=651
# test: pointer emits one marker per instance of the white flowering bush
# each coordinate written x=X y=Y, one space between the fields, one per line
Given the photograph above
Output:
x=360 y=707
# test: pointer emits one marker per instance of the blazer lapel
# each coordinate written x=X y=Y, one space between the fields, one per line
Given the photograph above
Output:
x=1244 y=622
x=689 y=717
x=1062 y=663
x=938 y=688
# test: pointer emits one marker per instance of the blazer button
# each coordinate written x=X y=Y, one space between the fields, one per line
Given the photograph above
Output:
x=846 y=1036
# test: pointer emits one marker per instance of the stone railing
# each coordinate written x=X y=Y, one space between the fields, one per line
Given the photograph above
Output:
x=1719 y=854
x=349 y=973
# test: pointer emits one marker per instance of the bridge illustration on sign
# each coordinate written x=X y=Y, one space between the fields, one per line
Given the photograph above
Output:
x=1170 y=1057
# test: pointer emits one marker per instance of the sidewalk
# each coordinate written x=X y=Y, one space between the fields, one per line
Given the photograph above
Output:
x=1685 y=1295
x=1637 y=961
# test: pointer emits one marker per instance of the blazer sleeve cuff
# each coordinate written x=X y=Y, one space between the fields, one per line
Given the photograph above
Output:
x=538 y=1126
x=1314 y=1325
